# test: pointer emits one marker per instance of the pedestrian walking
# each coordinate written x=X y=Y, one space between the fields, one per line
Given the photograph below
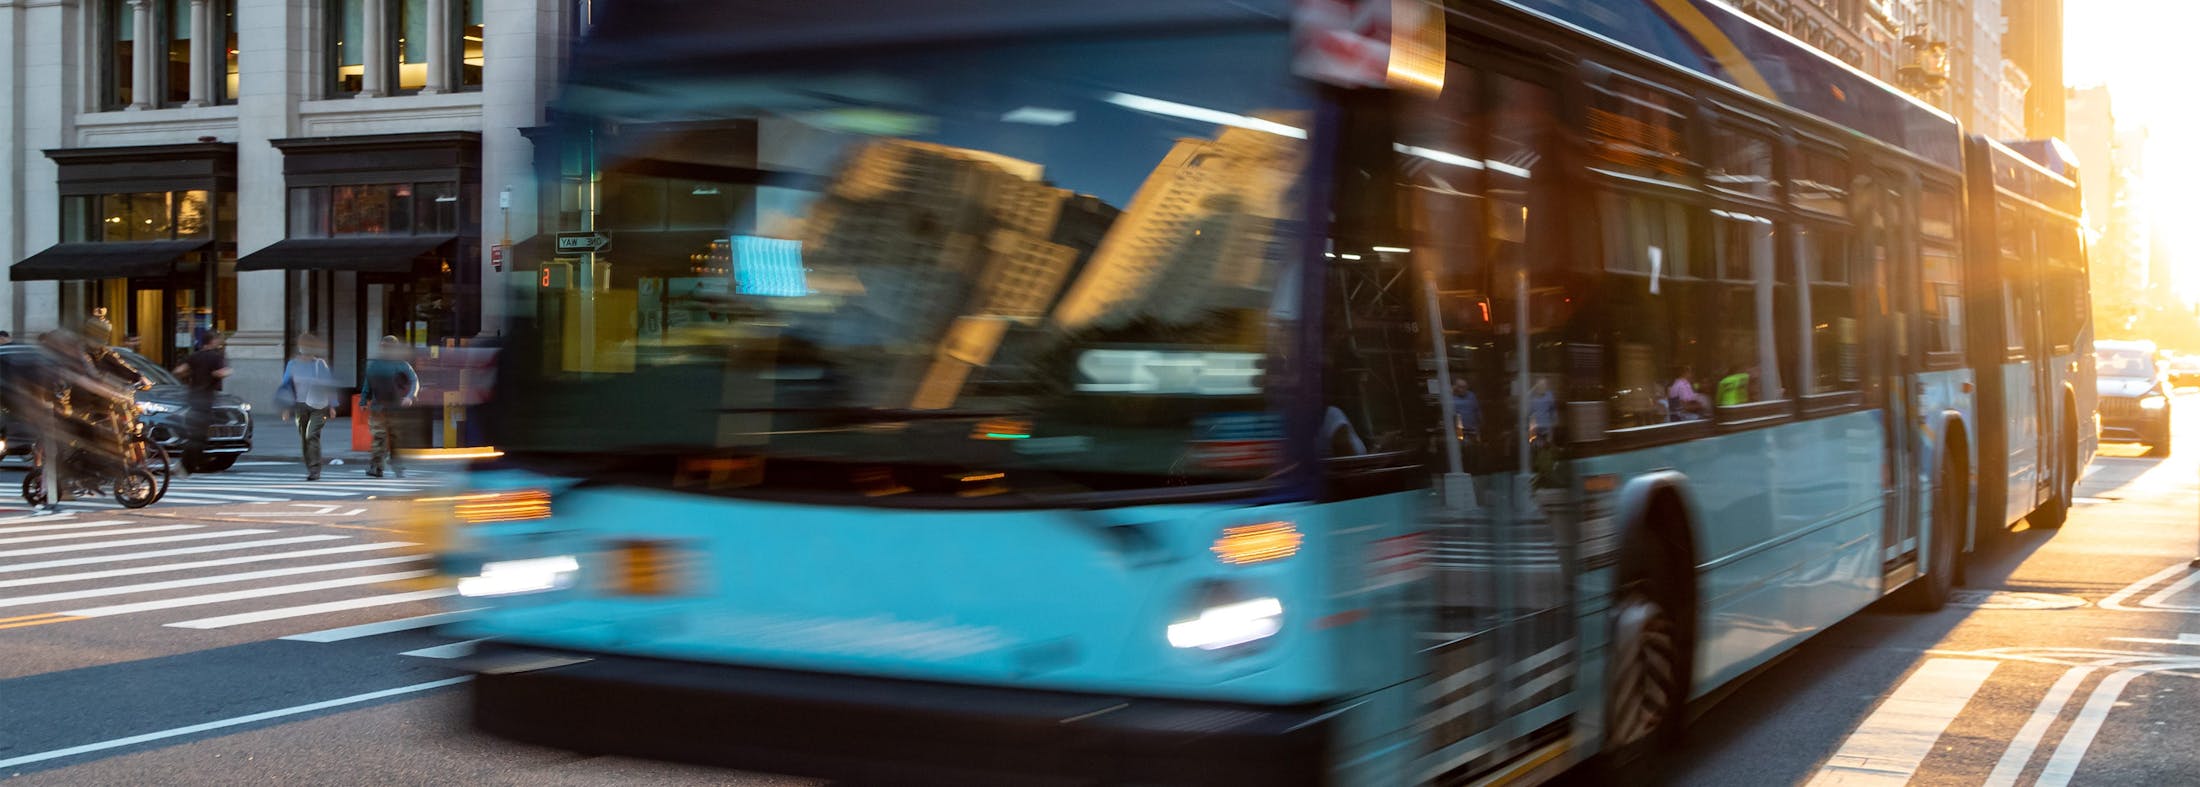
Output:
x=202 y=372
x=389 y=386
x=308 y=395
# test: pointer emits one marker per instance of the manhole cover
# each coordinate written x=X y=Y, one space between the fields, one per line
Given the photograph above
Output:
x=2011 y=599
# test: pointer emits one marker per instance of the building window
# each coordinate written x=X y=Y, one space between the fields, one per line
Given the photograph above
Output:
x=174 y=18
x=471 y=44
x=412 y=48
x=379 y=209
x=120 y=25
x=143 y=216
x=228 y=40
x=347 y=46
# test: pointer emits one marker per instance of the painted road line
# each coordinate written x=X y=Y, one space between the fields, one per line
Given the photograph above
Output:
x=2160 y=599
x=194 y=729
x=188 y=565
x=27 y=621
x=150 y=554
x=192 y=582
x=241 y=595
x=451 y=651
x=127 y=531
x=2182 y=639
x=2116 y=602
x=131 y=542
x=2027 y=741
x=1896 y=738
x=68 y=526
x=384 y=627
x=196 y=495
x=2088 y=724
x=242 y=618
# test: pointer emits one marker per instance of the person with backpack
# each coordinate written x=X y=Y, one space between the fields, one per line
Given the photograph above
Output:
x=307 y=393
x=388 y=387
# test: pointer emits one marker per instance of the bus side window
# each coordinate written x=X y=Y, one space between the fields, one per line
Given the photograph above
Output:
x=1941 y=273
x=1756 y=303
x=2016 y=259
x=1661 y=367
x=1836 y=356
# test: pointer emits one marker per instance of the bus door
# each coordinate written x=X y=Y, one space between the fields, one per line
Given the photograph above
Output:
x=1482 y=186
x=1883 y=214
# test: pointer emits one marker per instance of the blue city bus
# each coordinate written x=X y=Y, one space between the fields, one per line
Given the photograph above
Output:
x=1018 y=392
x=2033 y=339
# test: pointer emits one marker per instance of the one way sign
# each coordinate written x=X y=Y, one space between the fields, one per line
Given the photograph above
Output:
x=577 y=242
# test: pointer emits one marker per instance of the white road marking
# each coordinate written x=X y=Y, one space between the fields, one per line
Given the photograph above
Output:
x=184 y=566
x=384 y=627
x=2116 y=602
x=1896 y=738
x=2160 y=599
x=231 y=722
x=122 y=532
x=2027 y=741
x=2088 y=724
x=131 y=542
x=197 y=495
x=69 y=526
x=342 y=513
x=191 y=582
x=85 y=561
x=2182 y=639
x=451 y=651
x=303 y=610
x=240 y=595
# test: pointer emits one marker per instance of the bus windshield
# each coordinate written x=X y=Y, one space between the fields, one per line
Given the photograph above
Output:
x=1035 y=267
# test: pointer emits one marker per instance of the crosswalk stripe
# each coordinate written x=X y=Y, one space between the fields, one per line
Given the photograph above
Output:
x=194 y=493
x=185 y=566
x=147 y=555
x=101 y=534
x=69 y=526
x=130 y=542
x=384 y=627
x=240 y=595
x=172 y=584
x=280 y=613
x=450 y=651
x=1895 y=739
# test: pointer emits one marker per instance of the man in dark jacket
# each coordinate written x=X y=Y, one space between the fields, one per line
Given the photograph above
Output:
x=388 y=387
x=202 y=372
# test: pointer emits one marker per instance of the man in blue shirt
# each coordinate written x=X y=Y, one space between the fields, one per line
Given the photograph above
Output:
x=389 y=387
x=308 y=393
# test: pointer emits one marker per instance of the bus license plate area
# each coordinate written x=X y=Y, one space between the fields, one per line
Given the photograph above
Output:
x=649 y=568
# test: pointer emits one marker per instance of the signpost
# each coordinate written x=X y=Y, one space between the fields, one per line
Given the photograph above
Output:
x=587 y=242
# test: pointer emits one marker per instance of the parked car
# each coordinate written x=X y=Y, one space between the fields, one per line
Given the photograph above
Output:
x=2134 y=394
x=161 y=410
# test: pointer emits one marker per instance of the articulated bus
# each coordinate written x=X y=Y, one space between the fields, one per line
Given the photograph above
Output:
x=1145 y=392
x=2032 y=337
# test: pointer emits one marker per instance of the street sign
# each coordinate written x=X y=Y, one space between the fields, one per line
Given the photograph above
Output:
x=496 y=258
x=580 y=242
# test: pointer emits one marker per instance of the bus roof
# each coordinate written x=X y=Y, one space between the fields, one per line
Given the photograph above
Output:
x=1712 y=39
x=665 y=32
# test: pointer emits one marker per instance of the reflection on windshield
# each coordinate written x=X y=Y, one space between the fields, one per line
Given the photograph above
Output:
x=989 y=260
x=2124 y=363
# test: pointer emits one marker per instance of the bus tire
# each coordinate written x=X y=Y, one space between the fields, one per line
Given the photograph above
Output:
x=1930 y=592
x=1652 y=658
x=2056 y=510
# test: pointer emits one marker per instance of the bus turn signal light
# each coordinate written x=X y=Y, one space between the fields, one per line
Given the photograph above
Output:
x=1259 y=543
x=514 y=506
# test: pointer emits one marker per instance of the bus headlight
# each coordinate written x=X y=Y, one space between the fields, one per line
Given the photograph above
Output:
x=1229 y=625
x=2153 y=402
x=516 y=577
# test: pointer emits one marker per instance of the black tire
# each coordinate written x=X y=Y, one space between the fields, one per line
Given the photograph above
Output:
x=137 y=488
x=34 y=487
x=153 y=457
x=212 y=464
x=1929 y=593
x=1652 y=650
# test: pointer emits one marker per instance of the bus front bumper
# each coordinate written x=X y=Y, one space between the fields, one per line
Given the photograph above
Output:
x=878 y=730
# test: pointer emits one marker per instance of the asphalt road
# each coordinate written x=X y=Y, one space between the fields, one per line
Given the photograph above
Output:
x=281 y=637
x=2070 y=657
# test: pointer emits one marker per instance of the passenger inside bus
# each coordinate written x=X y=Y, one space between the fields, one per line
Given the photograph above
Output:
x=1687 y=404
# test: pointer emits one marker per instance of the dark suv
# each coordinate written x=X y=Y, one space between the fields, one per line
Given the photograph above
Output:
x=161 y=410
x=2134 y=394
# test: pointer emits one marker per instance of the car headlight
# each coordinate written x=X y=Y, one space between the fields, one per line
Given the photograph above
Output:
x=2153 y=402
x=247 y=407
x=516 y=577
x=157 y=407
x=1228 y=625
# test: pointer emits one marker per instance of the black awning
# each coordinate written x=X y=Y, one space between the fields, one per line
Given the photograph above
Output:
x=371 y=254
x=127 y=260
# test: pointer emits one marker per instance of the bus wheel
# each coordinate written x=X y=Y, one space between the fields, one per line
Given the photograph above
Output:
x=2051 y=514
x=1930 y=592
x=1647 y=701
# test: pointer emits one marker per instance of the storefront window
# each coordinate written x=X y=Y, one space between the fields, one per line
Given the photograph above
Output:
x=134 y=217
x=76 y=220
x=225 y=216
x=438 y=205
x=382 y=209
x=194 y=217
x=359 y=210
x=309 y=212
